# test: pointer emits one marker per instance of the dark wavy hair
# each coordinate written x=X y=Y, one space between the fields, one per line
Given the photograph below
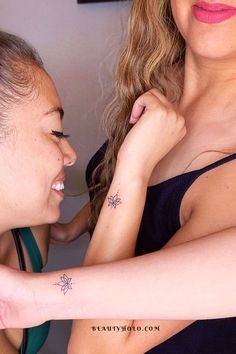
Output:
x=18 y=64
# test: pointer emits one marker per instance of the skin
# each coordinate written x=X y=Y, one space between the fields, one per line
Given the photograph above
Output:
x=209 y=70
x=35 y=153
x=209 y=258
x=64 y=233
x=10 y=339
x=38 y=299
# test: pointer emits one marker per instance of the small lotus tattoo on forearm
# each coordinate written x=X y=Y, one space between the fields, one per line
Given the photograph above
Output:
x=114 y=201
x=65 y=283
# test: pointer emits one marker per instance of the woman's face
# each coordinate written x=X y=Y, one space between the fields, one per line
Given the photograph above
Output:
x=209 y=28
x=34 y=159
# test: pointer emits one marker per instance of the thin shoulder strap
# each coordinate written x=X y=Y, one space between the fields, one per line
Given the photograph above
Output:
x=32 y=249
x=218 y=163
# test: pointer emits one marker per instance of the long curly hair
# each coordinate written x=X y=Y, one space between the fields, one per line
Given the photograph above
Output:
x=153 y=57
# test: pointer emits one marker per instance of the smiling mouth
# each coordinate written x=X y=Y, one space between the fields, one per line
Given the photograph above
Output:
x=58 y=186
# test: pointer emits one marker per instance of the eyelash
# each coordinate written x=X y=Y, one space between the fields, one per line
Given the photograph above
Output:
x=59 y=135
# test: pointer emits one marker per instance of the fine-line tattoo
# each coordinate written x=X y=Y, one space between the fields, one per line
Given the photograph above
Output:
x=114 y=200
x=65 y=283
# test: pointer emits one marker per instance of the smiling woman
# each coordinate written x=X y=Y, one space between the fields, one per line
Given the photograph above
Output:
x=43 y=133
x=166 y=182
x=33 y=154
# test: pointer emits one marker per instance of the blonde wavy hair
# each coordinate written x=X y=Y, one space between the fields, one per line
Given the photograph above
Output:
x=153 y=57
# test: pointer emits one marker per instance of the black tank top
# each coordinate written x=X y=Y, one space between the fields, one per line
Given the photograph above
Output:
x=160 y=222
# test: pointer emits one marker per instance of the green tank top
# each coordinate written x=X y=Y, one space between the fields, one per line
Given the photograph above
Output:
x=36 y=336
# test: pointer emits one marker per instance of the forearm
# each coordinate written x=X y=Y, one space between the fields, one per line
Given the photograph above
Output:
x=114 y=237
x=205 y=289
x=79 y=224
x=64 y=233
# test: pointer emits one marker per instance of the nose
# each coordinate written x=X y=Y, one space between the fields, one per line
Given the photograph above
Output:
x=69 y=153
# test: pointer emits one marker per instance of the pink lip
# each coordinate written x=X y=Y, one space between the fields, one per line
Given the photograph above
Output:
x=60 y=178
x=212 y=12
x=60 y=193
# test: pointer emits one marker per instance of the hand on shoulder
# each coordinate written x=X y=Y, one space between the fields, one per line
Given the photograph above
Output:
x=158 y=127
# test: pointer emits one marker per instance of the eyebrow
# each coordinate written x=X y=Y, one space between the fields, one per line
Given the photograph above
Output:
x=56 y=110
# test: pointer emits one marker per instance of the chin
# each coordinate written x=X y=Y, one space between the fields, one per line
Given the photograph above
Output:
x=213 y=45
x=54 y=217
x=51 y=216
x=212 y=51
x=218 y=56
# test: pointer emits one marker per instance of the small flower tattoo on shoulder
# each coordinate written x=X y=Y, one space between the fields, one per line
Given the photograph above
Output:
x=65 y=283
x=114 y=201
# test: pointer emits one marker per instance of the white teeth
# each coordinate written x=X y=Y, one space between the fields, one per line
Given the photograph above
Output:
x=58 y=186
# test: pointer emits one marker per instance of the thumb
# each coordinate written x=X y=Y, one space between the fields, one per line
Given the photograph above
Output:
x=146 y=101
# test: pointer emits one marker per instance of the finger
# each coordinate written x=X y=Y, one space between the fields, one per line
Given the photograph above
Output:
x=137 y=111
x=149 y=100
x=157 y=93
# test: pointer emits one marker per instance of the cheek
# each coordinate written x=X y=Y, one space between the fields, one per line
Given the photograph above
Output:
x=181 y=11
x=206 y=40
x=26 y=182
x=40 y=163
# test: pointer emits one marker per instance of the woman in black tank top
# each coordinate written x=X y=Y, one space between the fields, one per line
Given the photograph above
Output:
x=185 y=196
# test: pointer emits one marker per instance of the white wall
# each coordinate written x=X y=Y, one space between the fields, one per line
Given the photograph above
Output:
x=79 y=45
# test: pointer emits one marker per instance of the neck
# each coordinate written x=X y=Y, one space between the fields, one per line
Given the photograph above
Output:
x=204 y=77
x=4 y=228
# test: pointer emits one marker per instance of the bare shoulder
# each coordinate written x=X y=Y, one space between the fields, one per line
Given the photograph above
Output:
x=209 y=205
x=216 y=190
